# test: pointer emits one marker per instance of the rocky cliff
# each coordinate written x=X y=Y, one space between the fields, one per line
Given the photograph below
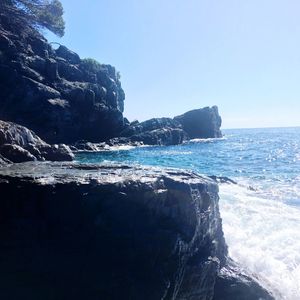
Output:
x=64 y=98
x=55 y=93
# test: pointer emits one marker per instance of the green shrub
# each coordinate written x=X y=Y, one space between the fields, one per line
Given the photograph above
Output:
x=90 y=65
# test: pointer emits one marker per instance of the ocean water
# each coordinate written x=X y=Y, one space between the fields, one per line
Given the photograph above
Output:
x=261 y=214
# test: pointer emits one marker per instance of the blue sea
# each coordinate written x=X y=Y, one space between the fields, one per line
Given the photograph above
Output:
x=261 y=214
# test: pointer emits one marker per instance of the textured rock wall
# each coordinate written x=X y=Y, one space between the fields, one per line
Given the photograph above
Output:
x=108 y=232
x=54 y=92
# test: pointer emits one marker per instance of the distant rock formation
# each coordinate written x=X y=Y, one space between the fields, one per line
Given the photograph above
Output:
x=201 y=123
x=55 y=93
x=156 y=131
x=19 y=144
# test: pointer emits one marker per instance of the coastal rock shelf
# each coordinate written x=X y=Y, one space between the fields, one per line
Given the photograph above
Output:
x=115 y=232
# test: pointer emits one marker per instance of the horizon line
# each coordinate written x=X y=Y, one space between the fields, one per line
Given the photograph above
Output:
x=263 y=127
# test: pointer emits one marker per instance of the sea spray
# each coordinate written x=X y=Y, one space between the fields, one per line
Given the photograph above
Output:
x=264 y=236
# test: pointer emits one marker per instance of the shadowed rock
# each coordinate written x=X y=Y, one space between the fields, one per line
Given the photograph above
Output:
x=201 y=123
x=19 y=144
x=108 y=232
x=55 y=93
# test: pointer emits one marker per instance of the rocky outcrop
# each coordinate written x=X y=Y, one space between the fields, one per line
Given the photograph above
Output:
x=156 y=131
x=111 y=232
x=201 y=123
x=55 y=93
x=19 y=144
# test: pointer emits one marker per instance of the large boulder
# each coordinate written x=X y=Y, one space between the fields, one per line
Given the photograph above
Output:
x=201 y=123
x=16 y=153
x=19 y=144
x=108 y=232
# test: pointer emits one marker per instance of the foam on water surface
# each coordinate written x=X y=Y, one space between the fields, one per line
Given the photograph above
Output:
x=264 y=236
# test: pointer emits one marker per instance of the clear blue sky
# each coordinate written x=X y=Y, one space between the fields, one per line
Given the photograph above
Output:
x=177 y=55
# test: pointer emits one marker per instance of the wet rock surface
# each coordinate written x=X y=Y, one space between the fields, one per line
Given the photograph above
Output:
x=234 y=283
x=108 y=232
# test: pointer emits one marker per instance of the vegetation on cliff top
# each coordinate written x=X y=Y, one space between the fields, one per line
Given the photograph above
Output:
x=39 y=14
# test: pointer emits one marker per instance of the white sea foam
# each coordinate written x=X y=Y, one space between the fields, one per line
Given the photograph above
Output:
x=121 y=148
x=264 y=236
x=208 y=140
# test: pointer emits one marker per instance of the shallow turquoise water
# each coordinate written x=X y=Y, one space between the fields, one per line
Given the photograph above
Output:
x=261 y=227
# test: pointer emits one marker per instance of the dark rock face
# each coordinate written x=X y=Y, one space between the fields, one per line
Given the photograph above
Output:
x=136 y=127
x=108 y=232
x=201 y=123
x=19 y=144
x=163 y=136
x=54 y=93
x=233 y=283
